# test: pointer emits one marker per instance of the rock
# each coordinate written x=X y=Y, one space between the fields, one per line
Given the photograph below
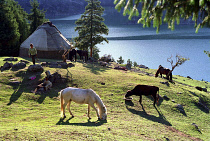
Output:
x=64 y=65
x=24 y=61
x=10 y=59
x=166 y=83
x=91 y=59
x=189 y=77
x=180 y=108
x=15 y=82
x=71 y=65
x=44 y=64
x=203 y=104
x=165 y=97
x=199 y=88
x=143 y=66
x=204 y=89
x=196 y=127
x=35 y=68
x=102 y=83
x=6 y=66
x=19 y=65
x=104 y=64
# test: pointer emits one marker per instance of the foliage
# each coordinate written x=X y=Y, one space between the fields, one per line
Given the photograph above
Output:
x=90 y=26
x=36 y=17
x=129 y=62
x=120 y=60
x=135 y=64
x=179 y=61
x=9 y=27
x=207 y=52
x=169 y=11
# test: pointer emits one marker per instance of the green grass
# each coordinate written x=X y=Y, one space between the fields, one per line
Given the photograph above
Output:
x=26 y=116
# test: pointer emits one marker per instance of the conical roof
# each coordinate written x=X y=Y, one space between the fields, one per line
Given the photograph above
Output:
x=47 y=38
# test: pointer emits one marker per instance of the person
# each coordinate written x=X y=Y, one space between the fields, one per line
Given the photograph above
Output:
x=32 y=52
x=46 y=85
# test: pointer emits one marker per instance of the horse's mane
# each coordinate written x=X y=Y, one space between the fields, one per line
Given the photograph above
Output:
x=99 y=102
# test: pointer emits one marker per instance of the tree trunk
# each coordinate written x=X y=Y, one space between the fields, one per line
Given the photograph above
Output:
x=171 y=71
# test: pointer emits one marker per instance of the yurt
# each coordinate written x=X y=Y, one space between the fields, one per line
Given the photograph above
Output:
x=48 y=41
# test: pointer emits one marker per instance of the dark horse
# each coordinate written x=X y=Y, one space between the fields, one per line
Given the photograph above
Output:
x=165 y=71
x=72 y=54
x=140 y=90
x=82 y=54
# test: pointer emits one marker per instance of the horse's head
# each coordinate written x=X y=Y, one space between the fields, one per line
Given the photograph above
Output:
x=103 y=113
x=157 y=72
x=129 y=93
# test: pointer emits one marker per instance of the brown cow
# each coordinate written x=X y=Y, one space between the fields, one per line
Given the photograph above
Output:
x=140 y=90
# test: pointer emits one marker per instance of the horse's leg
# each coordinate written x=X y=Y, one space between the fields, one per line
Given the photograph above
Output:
x=161 y=75
x=89 y=111
x=69 y=108
x=64 y=105
x=140 y=100
x=92 y=105
x=75 y=57
x=154 y=96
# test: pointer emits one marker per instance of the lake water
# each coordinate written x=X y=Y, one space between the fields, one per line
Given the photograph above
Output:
x=146 y=47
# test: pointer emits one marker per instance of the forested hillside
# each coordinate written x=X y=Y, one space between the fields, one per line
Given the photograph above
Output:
x=62 y=7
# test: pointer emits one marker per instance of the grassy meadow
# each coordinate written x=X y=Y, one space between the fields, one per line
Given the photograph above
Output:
x=28 y=116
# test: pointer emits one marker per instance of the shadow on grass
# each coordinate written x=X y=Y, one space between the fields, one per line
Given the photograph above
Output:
x=88 y=123
x=161 y=119
x=94 y=68
x=23 y=86
x=27 y=86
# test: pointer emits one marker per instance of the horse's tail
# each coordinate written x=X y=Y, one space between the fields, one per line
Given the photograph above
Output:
x=61 y=101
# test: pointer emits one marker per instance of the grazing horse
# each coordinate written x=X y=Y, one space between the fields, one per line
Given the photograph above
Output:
x=140 y=90
x=82 y=96
x=72 y=54
x=82 y=54
x=165 y=71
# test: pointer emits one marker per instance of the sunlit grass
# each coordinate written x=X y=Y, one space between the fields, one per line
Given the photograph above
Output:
x=26 y=116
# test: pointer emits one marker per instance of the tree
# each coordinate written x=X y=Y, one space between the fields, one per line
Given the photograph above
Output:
x=120 y=61
x=90 y=27
x=37 y=17
x=169 y=11
x=179 y=61
x=9 y=33
x=207 y=52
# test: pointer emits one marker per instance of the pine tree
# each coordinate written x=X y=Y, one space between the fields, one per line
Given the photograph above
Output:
x=37 y=17
x=169 y=11
x=9 y=33
x=90 y=27
x=23 y=27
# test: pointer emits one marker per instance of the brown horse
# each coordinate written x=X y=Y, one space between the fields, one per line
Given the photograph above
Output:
x=82 y=54
x=165 y=71
x=140 y=90
x=73 y=54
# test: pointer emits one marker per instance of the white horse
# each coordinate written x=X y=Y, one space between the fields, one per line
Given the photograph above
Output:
x=82 y=96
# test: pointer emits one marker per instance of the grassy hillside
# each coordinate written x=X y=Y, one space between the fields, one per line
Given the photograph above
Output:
x=28 y=116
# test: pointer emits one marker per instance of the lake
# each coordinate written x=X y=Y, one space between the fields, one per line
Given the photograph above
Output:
x=146 y=47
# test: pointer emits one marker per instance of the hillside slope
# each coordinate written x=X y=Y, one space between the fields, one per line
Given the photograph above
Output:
x=28 y=116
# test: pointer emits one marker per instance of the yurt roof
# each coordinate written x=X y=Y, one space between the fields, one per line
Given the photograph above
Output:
x=47 y=38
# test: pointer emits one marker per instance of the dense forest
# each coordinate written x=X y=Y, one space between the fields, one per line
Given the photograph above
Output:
x=61 y=8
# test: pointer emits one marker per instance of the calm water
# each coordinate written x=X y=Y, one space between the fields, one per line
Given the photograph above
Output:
x=146 y=47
